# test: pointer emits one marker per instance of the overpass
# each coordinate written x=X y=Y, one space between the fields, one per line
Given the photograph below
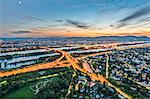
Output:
x=71 y=61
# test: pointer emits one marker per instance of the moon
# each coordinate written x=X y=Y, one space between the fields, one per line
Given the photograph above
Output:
x=20 y=2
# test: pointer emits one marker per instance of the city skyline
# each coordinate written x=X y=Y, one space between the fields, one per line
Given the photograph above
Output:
x=77 y=18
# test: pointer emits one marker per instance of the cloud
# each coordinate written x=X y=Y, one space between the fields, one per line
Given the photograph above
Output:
x=21 y=32
x=58 y=21
x=137 y=14
x=145 y=19
x=20 y=23
x=68 y=31
x=51 y=26
x=120 y=25
x=78 y=24
x=125 y=21
x=61 y=29
x=31 y=18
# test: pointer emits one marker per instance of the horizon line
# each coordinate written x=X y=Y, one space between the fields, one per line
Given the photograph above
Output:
x=76 y=36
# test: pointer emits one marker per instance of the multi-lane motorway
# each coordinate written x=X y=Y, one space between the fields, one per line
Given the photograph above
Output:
x=73 y=62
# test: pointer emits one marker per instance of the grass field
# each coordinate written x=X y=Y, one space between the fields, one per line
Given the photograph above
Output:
x=22 y=93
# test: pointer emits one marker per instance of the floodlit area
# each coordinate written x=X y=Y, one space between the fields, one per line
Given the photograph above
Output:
x=89 y=68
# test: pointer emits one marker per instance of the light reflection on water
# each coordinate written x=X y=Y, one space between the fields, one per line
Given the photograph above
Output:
x=21 y=61
x=8 y=64
x=23 y=52
x=25 y=60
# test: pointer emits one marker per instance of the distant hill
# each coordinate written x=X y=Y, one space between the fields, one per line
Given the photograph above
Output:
x=100 y=38
x=125 y=38
x=115 y=38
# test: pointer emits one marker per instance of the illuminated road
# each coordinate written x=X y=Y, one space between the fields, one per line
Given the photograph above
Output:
x=71 y=85
x=71 y=61
x=56 y=64
x=140 y=83
x=93 y=75
x=107 y=65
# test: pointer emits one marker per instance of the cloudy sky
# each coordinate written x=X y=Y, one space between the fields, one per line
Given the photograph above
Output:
x=45 y=18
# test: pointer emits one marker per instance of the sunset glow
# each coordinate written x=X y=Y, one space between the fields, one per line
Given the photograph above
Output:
x=88 y=18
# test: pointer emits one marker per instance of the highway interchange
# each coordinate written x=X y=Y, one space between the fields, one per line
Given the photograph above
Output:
x=74 y=63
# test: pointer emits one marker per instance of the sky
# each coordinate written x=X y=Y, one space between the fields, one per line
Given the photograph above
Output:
x=74 y=18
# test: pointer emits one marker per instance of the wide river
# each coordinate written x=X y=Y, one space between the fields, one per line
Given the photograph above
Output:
x=29 y=60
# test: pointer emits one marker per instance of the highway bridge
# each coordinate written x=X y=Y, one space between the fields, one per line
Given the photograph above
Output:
x=73 y=62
